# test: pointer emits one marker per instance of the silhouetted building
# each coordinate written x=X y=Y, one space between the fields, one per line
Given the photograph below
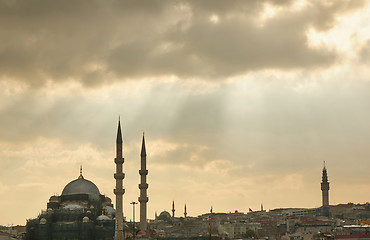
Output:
x=81 y=212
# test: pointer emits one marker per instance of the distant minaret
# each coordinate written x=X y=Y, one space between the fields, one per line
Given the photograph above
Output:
x=173 y=209
x=185 y=213
x=81 y=173
x=143 y=186
x=325 y=188
x=119 y=191
x=261 y=207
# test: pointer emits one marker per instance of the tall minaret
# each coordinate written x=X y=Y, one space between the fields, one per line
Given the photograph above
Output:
x=143 y=186
x=185 y=213
x=119 y=191
x=325 y=188
x=173 y=208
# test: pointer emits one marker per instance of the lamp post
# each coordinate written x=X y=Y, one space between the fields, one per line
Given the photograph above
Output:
x=133 y=217
x=210 y=225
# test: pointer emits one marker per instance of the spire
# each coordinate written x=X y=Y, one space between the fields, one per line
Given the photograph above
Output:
x=81 y=173
x=119 y=176
x=119 y=134
x=143 y=150
x=173 y=208
x=325 y=188
x=185 y=213
x=143 y=186
x=324 y=174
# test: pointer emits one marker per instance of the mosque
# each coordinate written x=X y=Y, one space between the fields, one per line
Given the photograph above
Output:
x=81 y=212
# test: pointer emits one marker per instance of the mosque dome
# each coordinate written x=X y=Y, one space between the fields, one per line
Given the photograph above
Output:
x=81 y=186
x=165 y=216
x=54 y=199
x=103 y=218
x=109 y=210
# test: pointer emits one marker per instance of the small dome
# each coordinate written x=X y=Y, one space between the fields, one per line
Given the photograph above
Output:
x=81 y=186
x=108 y=200
x=42 y=221
x=85 y=219
x=165 y=216
x=103 y=218
x=54 y=199
x=109 y=210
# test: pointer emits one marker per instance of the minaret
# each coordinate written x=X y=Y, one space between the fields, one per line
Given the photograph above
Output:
x=119 y=191
x=80 y=173
x=325 y=188
x=185 y=213
x=143 y=186
x=173 y=209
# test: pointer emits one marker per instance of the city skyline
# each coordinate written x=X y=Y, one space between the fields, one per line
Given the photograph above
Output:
x=240 y=103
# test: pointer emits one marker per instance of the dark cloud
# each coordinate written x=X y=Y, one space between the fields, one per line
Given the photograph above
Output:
x=97 y=41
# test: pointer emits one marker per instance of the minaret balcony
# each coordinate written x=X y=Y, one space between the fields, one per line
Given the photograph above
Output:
x=143 y=186
x=119 y=176
x=325 y=186
x=119 y=191
x=143 y=199
x=143 y=172
x=119 y=160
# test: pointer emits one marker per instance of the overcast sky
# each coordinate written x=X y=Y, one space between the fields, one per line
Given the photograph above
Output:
x=240 y=101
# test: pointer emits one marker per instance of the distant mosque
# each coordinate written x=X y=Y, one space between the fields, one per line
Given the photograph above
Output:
x=82 y=213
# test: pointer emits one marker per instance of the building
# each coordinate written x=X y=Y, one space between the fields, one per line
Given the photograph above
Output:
x=80 y=212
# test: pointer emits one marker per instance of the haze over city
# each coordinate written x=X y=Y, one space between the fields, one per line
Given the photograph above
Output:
x=241 y=102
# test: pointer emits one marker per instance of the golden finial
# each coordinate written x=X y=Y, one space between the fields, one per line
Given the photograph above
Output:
x=81 y=173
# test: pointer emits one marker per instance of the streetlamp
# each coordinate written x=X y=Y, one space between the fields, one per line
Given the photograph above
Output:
x=210 y=225
x=133 y=217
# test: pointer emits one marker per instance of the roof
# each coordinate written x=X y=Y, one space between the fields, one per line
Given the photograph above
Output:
x=81 y=186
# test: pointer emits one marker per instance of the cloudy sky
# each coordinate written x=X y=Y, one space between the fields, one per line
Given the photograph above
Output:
x=240 y=101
